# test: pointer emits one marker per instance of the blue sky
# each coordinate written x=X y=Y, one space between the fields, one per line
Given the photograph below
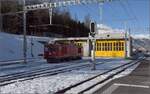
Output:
x=136 y=13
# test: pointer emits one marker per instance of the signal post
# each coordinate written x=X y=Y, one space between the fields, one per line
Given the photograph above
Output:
x=93 y=40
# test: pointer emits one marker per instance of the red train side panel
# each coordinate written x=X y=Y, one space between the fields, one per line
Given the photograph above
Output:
x=54 y=52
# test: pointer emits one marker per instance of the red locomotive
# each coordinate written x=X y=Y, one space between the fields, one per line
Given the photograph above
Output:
x=61 y=51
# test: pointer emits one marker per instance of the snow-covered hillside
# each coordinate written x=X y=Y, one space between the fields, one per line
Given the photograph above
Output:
x=11 y=46
x=141 y=43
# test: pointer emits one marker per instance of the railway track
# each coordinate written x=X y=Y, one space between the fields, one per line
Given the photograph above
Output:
x=17 y=65
x=18 y=77
x=40 y=69
x=13 y=62
x=81 y=87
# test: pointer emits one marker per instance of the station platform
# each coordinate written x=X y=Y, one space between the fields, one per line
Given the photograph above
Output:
x=138 y=82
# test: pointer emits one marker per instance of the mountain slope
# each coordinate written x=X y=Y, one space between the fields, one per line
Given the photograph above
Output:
x=141 y=43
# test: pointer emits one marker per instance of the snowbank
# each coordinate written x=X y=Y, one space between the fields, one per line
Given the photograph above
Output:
x=11 y=46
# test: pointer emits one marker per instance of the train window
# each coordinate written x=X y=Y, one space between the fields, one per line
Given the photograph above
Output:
x=64 y=49
x=119 y=46
x=114 y=46
x=122 y=46
x=79 y=50
x=111 y=46
x=46 y=49
x=51 y=48
x=108 y=46
x=96 y=47
x=100 y=46
x=122 y=43
x=103 y=45
x=78 y=44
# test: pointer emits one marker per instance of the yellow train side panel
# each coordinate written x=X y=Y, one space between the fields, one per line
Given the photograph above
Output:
x=113 y=52
x=110 y=54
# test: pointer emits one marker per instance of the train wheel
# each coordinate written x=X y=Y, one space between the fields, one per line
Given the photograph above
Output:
x=52 y=60
x=79 y=58
x=49 y=61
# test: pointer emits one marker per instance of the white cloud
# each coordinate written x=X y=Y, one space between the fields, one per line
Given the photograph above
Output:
x=141 y=36
x=102 y=28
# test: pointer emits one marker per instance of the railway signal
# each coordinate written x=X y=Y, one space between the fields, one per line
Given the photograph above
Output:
x=93 y=40
x=92 y=29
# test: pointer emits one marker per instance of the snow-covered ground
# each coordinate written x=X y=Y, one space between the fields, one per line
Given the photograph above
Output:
x=11 y=46
x=48 y=85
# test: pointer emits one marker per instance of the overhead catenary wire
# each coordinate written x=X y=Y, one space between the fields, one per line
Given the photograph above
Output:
x=133 y=13
x=129 y=16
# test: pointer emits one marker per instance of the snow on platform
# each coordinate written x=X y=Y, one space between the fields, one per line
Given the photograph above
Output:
x=51 y=84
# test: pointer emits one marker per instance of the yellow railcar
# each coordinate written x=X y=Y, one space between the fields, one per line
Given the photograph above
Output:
x=110 y=48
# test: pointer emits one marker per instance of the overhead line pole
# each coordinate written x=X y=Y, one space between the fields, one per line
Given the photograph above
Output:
x=125 y=26
x=1 y=22
x=24 y=33
x=149 y=19
x=50 y=15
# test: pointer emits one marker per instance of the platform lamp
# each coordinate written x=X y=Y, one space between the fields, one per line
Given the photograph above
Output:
x=93 y=40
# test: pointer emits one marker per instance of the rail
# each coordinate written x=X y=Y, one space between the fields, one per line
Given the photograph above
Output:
x=12 y=78
x=62 y=91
